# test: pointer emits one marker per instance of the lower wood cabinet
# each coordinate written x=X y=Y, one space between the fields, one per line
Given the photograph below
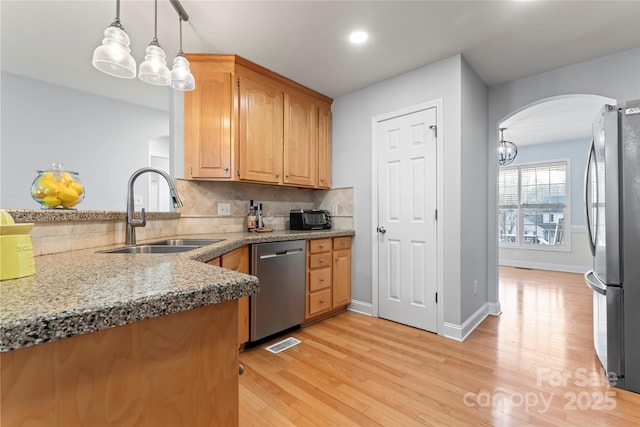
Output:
x=328 y=276
x=238 y=260
x=175 y=370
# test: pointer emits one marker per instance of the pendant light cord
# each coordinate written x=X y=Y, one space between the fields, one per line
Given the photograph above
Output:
x=155 y=29
x=180 y=51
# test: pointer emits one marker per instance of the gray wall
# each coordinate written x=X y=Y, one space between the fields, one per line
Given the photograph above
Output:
x=352 y=155
x=102 y=139
x=614 y=76
x=474 y=209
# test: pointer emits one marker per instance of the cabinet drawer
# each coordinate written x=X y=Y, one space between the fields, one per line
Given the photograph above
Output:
x=320 y=260
x=232 y=260
x=319 y=279
x=341 y=243
x=319 y=301
x=319 y=245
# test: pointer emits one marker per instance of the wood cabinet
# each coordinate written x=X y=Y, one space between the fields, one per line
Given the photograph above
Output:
x=208 y=129
x=301 y=156
x=261 y=128
x=328 y=276
x=246 y=123
x=238 y=260
x=175 y=370
x=324 y=147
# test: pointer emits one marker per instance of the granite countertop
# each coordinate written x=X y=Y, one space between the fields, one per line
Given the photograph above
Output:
x=78 y=292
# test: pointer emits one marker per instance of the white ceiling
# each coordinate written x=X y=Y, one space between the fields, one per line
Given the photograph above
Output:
x=307 y=40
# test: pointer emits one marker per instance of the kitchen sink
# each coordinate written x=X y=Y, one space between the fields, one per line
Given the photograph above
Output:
x=187 y=242
x=149 y=249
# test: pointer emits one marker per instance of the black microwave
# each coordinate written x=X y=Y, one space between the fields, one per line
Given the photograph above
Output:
x=309 y=219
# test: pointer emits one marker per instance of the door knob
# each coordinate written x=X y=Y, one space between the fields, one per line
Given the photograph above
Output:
x=381 y=230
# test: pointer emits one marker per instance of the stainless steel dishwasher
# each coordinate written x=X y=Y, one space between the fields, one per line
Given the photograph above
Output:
x=280 y=304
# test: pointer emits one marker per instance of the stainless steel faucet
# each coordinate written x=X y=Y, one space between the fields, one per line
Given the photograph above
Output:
x=130 y=238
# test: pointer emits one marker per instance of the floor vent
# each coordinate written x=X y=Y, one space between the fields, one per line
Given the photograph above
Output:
x=283 y=345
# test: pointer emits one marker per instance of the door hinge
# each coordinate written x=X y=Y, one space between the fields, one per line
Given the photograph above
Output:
x=238 y=171
x=434 y=128
x=436 y=297
x=436 y=214
x=238 y=82
x=191 y=170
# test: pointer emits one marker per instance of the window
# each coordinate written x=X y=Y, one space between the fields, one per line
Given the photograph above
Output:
x=532 y=204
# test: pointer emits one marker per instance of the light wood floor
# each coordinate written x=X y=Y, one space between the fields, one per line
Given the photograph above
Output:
x=532 y=365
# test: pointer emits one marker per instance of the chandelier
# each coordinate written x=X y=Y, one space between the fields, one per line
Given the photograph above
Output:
x=507 y=150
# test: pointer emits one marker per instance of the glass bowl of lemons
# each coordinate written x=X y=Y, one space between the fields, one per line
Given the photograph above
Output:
x=57 y=188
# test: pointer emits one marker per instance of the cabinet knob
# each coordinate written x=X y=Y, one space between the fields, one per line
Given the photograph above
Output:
x=226 y=168
x=337 y=259
x=322 y=279
x=321 y=301
x=278 y=175
x=286 y=176
x=321 y=179
x=321 y=260
x=240 y=369
x=321 y=246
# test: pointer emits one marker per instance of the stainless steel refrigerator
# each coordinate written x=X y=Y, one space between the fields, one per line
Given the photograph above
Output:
x=612 y=200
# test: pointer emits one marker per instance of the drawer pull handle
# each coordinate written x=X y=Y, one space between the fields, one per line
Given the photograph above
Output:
x=240 y=369
x=322 y=279
x=321 y=260
x=321 y=301
x=321 y=246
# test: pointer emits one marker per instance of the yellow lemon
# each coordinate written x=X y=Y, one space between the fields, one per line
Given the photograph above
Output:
x=75 y=186
x=49 y=188
x=68 y=195
x=48 y=176
x=66 y=179
x=38 y=192
x=51 y=201
x=69 y=204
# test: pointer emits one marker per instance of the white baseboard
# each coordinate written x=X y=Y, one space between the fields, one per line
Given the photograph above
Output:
x=365 y=308
x=494 y=308
x=461 y=332
x=544 y=266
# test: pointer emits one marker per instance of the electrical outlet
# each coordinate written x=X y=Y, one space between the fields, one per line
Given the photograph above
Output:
x=224 y=209
x=138 y=200
x=334 y=210
x=475 y=287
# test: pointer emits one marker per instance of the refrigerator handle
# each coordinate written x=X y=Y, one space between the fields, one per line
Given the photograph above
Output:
x=587 y=180
x=592 y=281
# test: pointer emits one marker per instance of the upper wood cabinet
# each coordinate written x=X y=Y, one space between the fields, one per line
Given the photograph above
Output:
x=324 y=147
x=260 y=137
x=301 y=130
x=208 y=123
x=246 y=123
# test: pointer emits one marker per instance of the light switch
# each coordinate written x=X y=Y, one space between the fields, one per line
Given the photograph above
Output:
x=224 y=209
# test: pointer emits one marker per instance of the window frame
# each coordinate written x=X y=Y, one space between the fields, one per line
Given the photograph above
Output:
x=519 y=243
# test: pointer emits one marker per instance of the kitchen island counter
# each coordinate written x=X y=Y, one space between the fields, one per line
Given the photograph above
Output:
x=79 y=292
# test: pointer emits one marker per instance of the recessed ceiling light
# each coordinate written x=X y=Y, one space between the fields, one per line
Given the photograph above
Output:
x=358 y=37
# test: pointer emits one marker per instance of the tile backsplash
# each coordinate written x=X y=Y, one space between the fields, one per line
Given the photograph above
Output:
x=200 y=199
x=199 y=215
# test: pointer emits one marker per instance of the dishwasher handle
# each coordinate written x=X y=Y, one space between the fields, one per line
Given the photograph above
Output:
x=281 y=254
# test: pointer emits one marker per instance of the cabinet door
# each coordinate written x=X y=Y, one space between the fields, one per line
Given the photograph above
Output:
x=300 y=141
x=341 y=277
x=324 y=146
x=261 y=125
x=238 y=260
x=207 y=124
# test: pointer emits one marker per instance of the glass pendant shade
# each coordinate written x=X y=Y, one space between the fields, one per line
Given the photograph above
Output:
x=154 y=68
x=113 y=56
x=181 y=77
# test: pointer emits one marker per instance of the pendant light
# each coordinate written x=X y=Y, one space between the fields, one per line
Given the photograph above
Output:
x=181 y=77
x=154 y=68
x=507 y=150
x=113 y=56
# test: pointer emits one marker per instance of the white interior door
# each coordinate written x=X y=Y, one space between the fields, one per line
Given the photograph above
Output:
x=407 y=227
